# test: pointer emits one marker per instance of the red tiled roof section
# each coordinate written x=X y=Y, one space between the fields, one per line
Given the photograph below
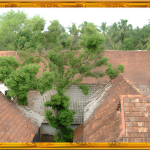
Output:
x=14 y=54
x=101 y=122
x=136 y=64
x=137 y=118
x=79 y=133
x=7 y=53
x=14 y=127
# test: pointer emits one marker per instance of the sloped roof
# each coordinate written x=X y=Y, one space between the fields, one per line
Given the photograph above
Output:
x=137 y=118
x=16 y=123
x=14 y=54
x=101 y=121
x=136 y=64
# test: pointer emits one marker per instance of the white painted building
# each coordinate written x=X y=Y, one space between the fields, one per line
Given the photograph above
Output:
x=3 y=88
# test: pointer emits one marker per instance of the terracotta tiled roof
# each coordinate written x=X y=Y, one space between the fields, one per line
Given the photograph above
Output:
x=7 y=53
x=101 y=121
x=15 y=126
x=136 y=64
x=137 y=118
x=14 y=54
x=78 y=136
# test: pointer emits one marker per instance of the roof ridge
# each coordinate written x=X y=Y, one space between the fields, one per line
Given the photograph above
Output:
x=134 y=87
x=30 y=114
x=10 y=101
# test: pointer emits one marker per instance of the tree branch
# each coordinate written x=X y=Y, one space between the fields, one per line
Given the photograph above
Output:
x=70 y=78
x=59 y=127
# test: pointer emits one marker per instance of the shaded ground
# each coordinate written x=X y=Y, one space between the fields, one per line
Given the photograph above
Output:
x=47 y=138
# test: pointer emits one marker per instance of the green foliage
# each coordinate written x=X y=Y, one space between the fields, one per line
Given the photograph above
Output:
x=36 y=23
x=10 y=24
x=121 y=68
x=18 y=32
x=49 y=45
x=66 y=116
x=7 y=66
x=72 y=29
x=59 y=100
x=21 y=81
x=147 y=45
x=63 y=39
x=45 y=82
x=112 y=72
x=39 y=25
x=57 y=137
x=92 y=42
x=6 y=94
x=68 y=134
x=102 y=61
x=95 y=74
x=84 y=69
x=55 y=30
x=85 y=89
x=127 y=44
x=28 y=61
x=56 y=27
x=38 y=40
x=69 y=42
x=22 y=39
x=103 y=28
x=53 y=121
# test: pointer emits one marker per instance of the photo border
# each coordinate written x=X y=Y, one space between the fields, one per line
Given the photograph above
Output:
x=71 y=4
x=78 y=145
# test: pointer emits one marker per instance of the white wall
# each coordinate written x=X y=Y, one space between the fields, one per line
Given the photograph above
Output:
x=77 y=102
x=3 y=88
x=47 y=129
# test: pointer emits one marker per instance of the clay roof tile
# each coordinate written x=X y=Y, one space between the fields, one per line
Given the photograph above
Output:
x=16 y=123
x=101 y=121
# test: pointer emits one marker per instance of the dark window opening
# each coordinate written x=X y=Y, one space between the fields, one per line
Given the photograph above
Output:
x=119 y=107
x=9 y=97
x=37 y=136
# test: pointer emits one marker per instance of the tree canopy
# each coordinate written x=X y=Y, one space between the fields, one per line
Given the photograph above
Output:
x=68 y=55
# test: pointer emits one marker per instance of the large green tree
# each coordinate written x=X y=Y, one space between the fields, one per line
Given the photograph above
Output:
x=20 y=77
x=63 y=66
x=62 y=77
x=22 y=39
x=10 y=24
x=34 y=23
x=103 y=28
x=122 y=24
x=55 y=29
x=72 y=28
x=128 y=44
x=113 y=37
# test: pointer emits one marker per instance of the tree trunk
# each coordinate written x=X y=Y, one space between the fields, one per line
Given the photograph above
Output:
x=119 y=45
x=74 y=40
x=59 y=127
x=113 y=45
